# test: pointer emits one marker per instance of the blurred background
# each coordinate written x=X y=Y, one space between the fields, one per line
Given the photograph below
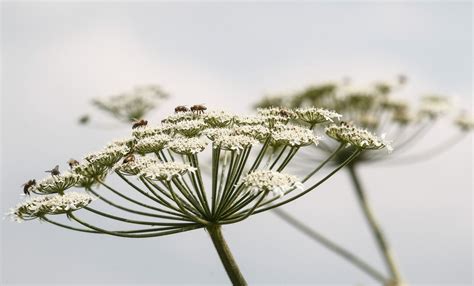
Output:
x=56 y=57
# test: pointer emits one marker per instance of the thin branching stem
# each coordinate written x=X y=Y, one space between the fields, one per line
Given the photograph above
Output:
x=102 y=198
x=155 y=234
x=331 y=245
x=375 y=228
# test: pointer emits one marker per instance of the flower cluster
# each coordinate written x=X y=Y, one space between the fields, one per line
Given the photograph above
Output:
x=234 y=142
x=162 y=163
x=50 y=205
x=152 y=144
x=293 y=135
x=374 y=108
x=315 y=115
x=271 y=181
x=186 y=146
x=434 y=105
x=465 y=121
x=165 y=171
x=132 y=105
x=134 y=165
x=56 y=184
x=360 y=138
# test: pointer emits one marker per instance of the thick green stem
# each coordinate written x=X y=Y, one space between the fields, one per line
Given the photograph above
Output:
x=225 y=255
x=376 y=229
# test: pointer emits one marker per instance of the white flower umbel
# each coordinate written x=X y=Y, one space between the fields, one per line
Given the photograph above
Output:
x=109 y=156
x=314 y=115
x=275 y=182
x=394 y=104
x=187 y=146
x=148 y=131
x=152 y=144
x=132 y=105
x=218 y=118
x=135 y=166
x=166 y=171
x=403 y=116
x=213 y=133
x=56 y=184
x=50 y=205
x=276 y=115
x=234 y=142
x=434 y=106
x=258 y=132
x=360 y=138
x=293 y=135
x=284 y=113
x=181 y=116
x=190 y=128
x=90 y=173
x=465 y=121
x=250 y=120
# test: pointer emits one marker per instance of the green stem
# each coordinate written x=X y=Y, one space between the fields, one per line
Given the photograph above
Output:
x=375 y=228
x=225 y=255
x=326 y=242
x=320 y=166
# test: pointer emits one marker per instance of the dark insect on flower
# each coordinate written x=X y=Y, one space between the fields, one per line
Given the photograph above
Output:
x=129 y=158
x=284 y=113
x=26 y=186
x=198 y=108
x=54 y=171
x=139 y=123
x=181 y=108
x=72 y=163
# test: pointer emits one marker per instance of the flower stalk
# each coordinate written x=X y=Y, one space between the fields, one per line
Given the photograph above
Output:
x=377 y=233
x=331 y=245
x=227 y=259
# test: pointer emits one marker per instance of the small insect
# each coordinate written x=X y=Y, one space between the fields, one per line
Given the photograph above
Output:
x=27 y=186
x=181 y=108
x=72 y=163
x=54 y=171
x=284 y=113
x=129 y=158
x=139 y=123
x=198 y=108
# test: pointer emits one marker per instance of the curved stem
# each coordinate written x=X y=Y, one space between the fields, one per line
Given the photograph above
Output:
x=137 y=188
x=375 y=228
x=117 y=231
x=320 y=166
x=131 y=221
x=120 y=234
x=130 y=199
x=225 y=255
x=135 y=211
x=67 y=226
x=245 y=213
x=326 y=242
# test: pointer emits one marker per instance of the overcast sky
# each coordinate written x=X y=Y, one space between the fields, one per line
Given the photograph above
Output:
x=56 y=57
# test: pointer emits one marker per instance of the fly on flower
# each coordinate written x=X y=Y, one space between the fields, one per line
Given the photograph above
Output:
x=27 y=186
x=198 y=108
x=55 y=171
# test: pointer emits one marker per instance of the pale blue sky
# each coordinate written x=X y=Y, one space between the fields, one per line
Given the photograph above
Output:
x=55 y=57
